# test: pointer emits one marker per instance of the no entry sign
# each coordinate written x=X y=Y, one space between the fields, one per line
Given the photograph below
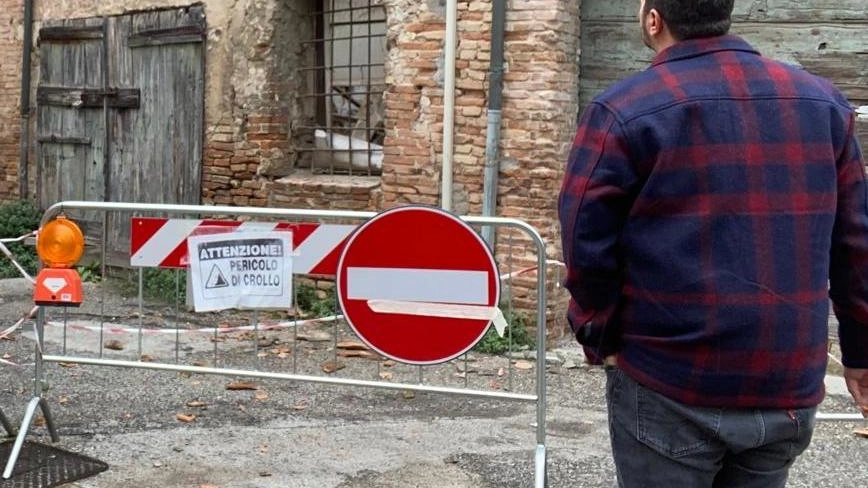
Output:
x=418 y=285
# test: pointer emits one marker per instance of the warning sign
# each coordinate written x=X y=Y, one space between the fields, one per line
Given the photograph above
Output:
x=216 y=279
x=241 y=270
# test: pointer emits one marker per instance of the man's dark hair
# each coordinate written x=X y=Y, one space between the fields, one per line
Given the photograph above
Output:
x=691 y=19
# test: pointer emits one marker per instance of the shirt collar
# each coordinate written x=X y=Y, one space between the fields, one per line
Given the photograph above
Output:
x=697 y=47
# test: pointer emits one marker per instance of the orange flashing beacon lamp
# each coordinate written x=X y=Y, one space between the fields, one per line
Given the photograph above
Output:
x=60 y=244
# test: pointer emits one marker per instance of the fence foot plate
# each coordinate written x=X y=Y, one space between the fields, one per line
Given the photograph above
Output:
x=43 y=466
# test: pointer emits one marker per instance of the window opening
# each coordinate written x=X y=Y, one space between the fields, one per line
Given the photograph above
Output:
x=346 y=82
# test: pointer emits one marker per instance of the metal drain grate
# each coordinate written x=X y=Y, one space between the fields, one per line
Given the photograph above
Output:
x=42 y=466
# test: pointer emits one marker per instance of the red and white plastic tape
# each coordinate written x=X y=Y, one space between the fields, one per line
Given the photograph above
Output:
x=120 y=329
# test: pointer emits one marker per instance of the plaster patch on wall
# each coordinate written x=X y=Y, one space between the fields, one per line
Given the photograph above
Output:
x=437 y=6
x=71 y=9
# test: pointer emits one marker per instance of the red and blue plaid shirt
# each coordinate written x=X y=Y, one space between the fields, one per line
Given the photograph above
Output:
x=708 y=204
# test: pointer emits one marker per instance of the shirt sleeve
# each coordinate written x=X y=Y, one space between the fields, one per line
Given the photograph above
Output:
x=595 y=198
x=849 y=259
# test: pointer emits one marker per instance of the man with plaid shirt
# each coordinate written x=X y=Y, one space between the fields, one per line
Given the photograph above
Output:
x=711 y=205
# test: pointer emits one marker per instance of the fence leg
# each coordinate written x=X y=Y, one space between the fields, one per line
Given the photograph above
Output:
x=22 y=433
x=541 y=479
x=39 y=380
x=49 y=420
x=36 y=402
x=6 y=425
x=540 y=465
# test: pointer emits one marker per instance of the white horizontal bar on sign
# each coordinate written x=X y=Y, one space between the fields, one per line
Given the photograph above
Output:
x=418 y=285
x=447 y=310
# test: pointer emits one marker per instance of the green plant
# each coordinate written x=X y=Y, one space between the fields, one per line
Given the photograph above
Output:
x=309 y=301
x=165 y=285
x=325 y=306
x=515 y=337
x=17 y=219
x=91 y=272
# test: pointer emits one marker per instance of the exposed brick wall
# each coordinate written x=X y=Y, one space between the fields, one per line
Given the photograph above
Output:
x=324 y=192
x=247 y=138
x=251 y=152
x=235 y=155
x=540 y=103
x=11 y=13
x=414 y=102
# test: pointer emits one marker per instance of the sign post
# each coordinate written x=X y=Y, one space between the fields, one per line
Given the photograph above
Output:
x=418 y=285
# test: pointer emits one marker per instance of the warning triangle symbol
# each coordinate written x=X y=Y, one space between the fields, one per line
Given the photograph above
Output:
x=216 y=279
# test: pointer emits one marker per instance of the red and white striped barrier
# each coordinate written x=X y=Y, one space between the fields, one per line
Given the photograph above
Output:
x=162 y=242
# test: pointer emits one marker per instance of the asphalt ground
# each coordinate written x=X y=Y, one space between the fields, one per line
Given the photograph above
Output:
x=297 y=434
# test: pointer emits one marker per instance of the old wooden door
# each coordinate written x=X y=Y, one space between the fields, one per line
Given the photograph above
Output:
x=71 y=136
x=120 y=111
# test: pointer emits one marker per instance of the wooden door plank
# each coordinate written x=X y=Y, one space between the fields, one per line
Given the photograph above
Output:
x=71 y=33
x=171 y=35
x=76 y=97
x=59 y=139
x=781 y=11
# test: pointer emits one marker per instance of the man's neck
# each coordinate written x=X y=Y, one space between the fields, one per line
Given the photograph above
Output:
x=663 y=43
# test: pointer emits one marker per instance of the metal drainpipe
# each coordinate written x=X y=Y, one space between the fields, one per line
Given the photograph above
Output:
x=23 y=159
x=495 y=103
x=449 y=103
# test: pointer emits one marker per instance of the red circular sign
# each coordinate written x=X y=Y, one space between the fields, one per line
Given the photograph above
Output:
x=409 y=278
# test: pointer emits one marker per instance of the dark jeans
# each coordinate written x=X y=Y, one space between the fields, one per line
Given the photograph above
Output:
x=658 y=442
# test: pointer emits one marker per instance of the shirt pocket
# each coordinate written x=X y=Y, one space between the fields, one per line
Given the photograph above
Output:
x=663 y=426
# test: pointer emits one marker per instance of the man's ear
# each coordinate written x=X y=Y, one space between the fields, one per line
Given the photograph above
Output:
x=654 y=22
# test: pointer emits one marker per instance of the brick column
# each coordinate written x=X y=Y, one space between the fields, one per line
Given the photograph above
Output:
x=540 y=106
x=11 y=16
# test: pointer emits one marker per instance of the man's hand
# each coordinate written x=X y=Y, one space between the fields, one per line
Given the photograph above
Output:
x=857 y=384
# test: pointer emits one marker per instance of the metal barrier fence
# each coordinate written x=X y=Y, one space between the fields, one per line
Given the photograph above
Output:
x=169 y=337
